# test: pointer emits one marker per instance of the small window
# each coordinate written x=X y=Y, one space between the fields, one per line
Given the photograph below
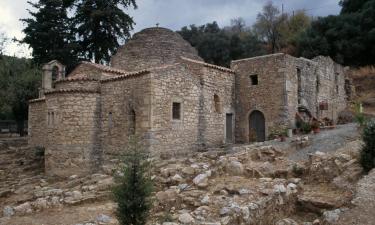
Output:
x=254 y=79
x=217 y=104
x=176 y=111
x=110 y=120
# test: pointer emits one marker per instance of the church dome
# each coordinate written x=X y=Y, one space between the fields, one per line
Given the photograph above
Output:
x=153 y=47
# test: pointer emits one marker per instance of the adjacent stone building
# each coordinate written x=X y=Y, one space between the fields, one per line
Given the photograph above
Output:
x=159 y=89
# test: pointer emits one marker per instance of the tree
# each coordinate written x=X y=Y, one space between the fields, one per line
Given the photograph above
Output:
x=3 y=41
x=268 y=26
x=48 y=32
x=348 y=38
x=132 y=194
x=368 y=149
x=101 y=25
x=19 y=82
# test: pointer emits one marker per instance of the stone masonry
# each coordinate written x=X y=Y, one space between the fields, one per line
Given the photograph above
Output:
x=160 y=90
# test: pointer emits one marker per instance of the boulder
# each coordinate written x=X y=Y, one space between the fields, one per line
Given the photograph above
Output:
x=8 y=211
x=235 y=168
x=286 y=221
x=186 y=218
x=23 y=209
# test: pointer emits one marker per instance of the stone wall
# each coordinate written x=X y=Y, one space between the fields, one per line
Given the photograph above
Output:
x=202 y=124
x=72 y=129
x=268 y=97
x=331 y=87
x=37 y=123
x=91 y=84
x=120 y=98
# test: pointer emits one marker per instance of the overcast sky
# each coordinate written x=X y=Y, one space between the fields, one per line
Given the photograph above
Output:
x=172 y=14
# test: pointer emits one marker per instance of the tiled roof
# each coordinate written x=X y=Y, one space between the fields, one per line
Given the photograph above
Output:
x=105 y=68
x=124 y=76
x=75 y=90
x=208 y=65
x=75 y=78
x=37 y=100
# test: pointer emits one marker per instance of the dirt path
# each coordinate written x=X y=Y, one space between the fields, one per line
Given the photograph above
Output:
x=328 y=141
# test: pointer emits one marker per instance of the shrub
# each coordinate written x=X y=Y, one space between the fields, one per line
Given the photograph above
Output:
x=134 y=188
x=359 y=116
x=368 y=149
x=306 y=128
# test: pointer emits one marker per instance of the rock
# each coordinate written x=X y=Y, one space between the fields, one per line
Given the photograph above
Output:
x=23 y=208
x=8 y=211
x=170 y=223
x=201 y=180
x=177 y=178
x=316 y=222
x=168 y=196
x=332 y=216
x=286 y=221
x=225 y=220
x=235 y=168
x=103 y=218
x=40 y=204
x=205 y=200
x=186 y=218
x=73 y=177
x=279 y=189
x=188 y=171
x=105 y=184
x=291 y=189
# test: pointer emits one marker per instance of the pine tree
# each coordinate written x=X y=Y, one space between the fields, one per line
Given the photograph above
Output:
x=134 y=188
x=101 y=25
x=48 y=32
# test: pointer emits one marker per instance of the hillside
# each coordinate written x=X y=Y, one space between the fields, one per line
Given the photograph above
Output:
x=364 y=82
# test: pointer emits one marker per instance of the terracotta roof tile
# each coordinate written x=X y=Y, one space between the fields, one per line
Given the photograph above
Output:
x=208 y=65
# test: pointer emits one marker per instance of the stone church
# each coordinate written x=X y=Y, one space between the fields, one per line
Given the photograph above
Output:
x=158 y=88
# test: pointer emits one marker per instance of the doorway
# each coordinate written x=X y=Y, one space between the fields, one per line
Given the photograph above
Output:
x=229 y=128
x=257 y=127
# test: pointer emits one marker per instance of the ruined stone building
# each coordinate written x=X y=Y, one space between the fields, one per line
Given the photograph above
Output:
x=158 y=88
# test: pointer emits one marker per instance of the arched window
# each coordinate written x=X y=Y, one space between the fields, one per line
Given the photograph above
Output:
x=55 y=74
x=217 y=103
x=132 y=122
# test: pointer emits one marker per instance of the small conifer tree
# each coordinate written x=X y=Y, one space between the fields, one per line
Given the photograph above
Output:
x=134 y=188
x=368 y=149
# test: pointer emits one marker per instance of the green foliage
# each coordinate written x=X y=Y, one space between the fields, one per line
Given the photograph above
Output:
x=48 y=32
x=368 y=149
x=306 y=127
x=93 y=31
x=278 y=131
x=359 y=116
x=100 y=25
x=348 y=38
x=134 y=188
x=20 y=80
x=221 y=45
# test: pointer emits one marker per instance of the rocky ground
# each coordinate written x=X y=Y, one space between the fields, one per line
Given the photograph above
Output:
x=312 y=179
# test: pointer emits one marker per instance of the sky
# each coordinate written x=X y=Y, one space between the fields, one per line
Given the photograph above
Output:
x=172 y=14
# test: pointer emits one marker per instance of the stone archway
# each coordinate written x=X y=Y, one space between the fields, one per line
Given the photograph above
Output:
x=257 y=126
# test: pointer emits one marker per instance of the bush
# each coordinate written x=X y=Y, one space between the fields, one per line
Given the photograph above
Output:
x=306 y=128
x=134 y=188
x=368 y=149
